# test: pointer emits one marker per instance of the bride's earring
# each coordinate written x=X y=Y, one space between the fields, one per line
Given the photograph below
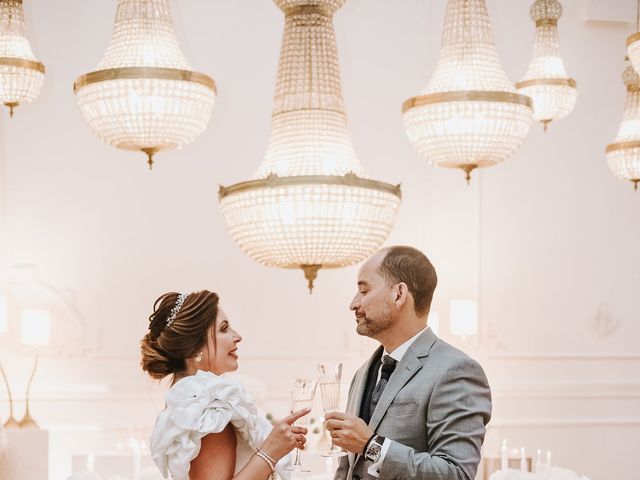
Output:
x=199 y=357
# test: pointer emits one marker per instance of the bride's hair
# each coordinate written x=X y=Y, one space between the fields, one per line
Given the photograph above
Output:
x=165 y=347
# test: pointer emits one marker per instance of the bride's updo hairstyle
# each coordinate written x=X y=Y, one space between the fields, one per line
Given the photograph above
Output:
x=178 y=328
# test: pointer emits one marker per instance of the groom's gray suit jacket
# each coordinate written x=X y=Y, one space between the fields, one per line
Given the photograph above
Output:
x=434 y=409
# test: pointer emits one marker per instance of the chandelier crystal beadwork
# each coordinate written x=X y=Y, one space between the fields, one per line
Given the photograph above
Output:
x=309 y=205
x=468 y=115
x=546 y=81
x=633 y=43
x=144 y=95
x=623 y=155
x=21 y=75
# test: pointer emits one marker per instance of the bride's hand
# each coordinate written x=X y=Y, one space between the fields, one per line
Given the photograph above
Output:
x=285 y=436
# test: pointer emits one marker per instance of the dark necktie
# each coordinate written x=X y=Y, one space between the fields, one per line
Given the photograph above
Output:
x=388 y=366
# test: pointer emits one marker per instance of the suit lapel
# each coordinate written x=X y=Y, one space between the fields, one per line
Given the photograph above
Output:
x=406 y=369
x=359 y=386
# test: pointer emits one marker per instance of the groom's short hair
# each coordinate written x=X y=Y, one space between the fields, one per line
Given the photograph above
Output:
x=411 y=266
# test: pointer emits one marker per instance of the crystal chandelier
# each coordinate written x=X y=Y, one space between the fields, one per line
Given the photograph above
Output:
x=554 y=94
x=309 y=205
x=469 y=115
x=21 y=75
x=144 y=95
x=623 y=155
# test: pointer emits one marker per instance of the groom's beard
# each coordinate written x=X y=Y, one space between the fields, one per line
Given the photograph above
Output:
x=372 y=325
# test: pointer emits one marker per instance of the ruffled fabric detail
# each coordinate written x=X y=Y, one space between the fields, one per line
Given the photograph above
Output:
x=198 y=405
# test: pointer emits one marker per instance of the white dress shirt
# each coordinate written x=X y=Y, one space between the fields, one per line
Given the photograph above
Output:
x=397 y=354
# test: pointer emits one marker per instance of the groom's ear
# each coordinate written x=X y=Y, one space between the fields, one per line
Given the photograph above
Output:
x=401 y=294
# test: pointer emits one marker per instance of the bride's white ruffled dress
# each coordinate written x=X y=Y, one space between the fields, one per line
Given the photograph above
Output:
x=201 y=404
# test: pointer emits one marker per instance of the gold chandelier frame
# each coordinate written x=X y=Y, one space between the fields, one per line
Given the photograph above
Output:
x=307 y=10
x=274 y=181
x=570 y=82
x=633 y=38
x=465 y=96
x=140 y=73
x=22 y=62
x=613 y=147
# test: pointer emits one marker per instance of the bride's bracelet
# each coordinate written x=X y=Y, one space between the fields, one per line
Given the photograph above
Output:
x=270 y=461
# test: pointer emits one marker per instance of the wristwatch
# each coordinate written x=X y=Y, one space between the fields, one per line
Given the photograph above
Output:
x=374 y=448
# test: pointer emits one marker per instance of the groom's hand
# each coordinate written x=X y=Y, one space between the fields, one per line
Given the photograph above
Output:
x=348 y=432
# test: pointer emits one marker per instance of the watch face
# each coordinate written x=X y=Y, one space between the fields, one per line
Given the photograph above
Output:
x=373 y=452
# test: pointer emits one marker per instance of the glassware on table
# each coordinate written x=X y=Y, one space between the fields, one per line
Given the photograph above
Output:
x=329 y=376
x=302 y=394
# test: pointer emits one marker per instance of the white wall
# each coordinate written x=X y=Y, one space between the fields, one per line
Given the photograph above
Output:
x=544 y=242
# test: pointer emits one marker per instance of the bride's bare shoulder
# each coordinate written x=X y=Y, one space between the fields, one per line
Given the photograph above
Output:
x=217 y=457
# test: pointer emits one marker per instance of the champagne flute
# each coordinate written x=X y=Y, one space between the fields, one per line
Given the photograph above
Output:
x=302 y=394
x=329 y=375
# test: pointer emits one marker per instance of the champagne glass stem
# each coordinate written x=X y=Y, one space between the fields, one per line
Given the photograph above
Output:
x=296 y=459
x=334 y=450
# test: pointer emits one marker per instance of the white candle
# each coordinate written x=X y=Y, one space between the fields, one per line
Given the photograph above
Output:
x=504 y=456
x=538 y=466
x=523 y=460
x=547 y=467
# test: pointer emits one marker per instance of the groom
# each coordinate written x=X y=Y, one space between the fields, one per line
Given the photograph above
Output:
x=418 y=407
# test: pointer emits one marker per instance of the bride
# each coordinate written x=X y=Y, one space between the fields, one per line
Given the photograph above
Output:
x=210 y=428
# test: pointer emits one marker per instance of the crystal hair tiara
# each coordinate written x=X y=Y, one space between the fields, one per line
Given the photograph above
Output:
x=176 y=308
